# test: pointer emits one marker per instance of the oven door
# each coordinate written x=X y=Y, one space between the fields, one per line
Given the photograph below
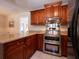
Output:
x=52 y=48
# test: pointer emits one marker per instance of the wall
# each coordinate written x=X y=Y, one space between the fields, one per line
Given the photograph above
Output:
x=5 y=19
x=16 y=18
x=7 y=11
x=37 y=28
x=3 y=23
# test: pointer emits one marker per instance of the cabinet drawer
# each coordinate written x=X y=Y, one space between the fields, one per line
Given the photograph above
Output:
x=12 y=45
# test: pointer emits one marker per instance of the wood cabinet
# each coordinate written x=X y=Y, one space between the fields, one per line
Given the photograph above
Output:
x=52 y=11
x=64 y=39
x=21 y=49
x=40 y=38
x=49 y=11
x=37 y=17
x=59 y=10
x=25 y=47
x=34 y=18
x=17 y=53
x=14 y=50
x=64 y=15
x=31 y=46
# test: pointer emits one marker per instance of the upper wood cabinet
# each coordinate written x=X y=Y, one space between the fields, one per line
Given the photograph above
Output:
x=64 y=14
x=34 y=18
x=53 y=9
x=49 y=11
x=37 y=17
x=57 y=10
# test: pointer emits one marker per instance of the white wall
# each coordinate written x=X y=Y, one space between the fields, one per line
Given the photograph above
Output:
x=37 y=28
x=3 y=23
x=16 y=18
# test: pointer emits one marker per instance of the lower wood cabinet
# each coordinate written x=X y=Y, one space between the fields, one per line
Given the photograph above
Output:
x=14 y=50
x=21 y=49
x=30 y=47
x=24 y=48
x=16 y=53
x=64 y=39
x=40 y=38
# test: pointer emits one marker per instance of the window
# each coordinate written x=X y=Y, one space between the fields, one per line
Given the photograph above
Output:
x=24 y=24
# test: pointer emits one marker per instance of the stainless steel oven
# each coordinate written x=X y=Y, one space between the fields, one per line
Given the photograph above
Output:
x=52 y=49
x=52 y=40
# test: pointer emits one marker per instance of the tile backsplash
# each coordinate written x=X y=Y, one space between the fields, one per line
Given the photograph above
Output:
x=37 y=28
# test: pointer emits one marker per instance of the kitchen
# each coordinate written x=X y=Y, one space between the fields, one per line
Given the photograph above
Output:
x=34 y=29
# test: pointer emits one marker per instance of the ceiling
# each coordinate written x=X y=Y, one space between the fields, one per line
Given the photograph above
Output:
x=24 y=5
x=30 y=5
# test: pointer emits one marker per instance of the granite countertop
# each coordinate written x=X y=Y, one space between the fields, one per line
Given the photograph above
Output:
x=64 y=33
x=4 y=38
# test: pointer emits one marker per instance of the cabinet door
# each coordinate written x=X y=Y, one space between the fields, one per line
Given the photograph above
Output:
x=49 y=11
x=14 y=50
x=64 y=16
x=64 y=45
x=57 y=11
x=41 y=17
x=40 y=42
x=30 y=48
x=34 y=17
x=53 y=11
x=37 y=17
x=16 y=53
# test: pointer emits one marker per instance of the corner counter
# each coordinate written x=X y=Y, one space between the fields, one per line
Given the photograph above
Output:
x=21 y=45
x=5 y=38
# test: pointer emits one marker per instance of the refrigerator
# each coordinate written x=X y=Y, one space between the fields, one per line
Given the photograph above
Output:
x=73 y=33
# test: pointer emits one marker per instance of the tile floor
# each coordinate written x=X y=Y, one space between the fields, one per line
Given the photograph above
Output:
x=41 y=55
